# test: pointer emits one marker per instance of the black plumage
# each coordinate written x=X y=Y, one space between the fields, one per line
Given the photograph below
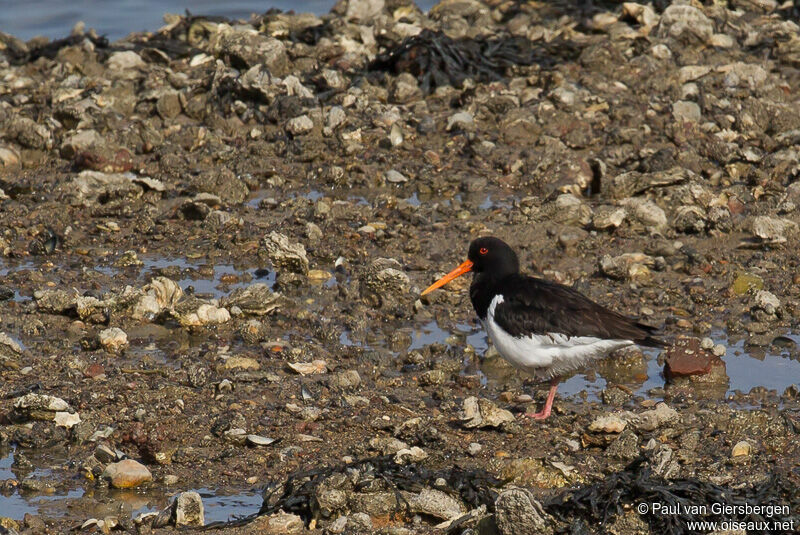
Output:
x=537 y=306
x=537 y=325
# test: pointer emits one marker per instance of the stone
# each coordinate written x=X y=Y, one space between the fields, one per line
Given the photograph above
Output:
x=686 y=357
x=685 y=23
x=462 y=120
x=189 y=509
x=237 y=362
x=286 y=254
x=477 y=413
x=299 y=125
x=127 y=474
x=383 y=281
x=742 y=449
x=607 y=424
x=346 y=380
x=113 y=340
x=517 y=512
x=686 y=110
x=309 y=368
x=278 y=524
x=258 y=299
x=746 y=282
x=437 y=504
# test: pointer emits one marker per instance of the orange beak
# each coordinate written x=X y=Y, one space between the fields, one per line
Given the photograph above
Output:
x=465 y=267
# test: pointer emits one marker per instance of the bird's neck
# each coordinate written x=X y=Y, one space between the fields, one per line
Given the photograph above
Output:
x=483 y=289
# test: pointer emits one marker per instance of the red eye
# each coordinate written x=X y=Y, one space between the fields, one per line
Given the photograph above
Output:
x=484 y=250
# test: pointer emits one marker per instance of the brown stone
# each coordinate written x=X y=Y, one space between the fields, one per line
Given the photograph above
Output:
x=686 y=357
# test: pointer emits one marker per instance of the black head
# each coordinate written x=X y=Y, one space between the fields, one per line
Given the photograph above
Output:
x=492 y=256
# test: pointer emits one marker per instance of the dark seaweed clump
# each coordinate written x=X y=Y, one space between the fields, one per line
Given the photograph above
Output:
x=296 y=495
x=437 y=60
x=596 y=504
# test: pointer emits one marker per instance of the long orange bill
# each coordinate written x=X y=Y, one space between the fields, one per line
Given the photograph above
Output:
x=460 y=270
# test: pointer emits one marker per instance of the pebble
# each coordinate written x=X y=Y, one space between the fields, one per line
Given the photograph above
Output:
x=474 y=448
x=483 y=413
x=741 y=449
x=127 y=474
x=607 y=424
x=113 y=340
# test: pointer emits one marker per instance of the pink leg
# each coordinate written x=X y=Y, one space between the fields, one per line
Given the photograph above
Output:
x=548 y=406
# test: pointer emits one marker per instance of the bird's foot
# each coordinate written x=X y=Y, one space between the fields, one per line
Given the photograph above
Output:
x=541 y=415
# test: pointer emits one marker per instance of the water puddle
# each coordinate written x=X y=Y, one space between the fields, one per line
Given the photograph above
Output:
x=60 y=497
x=746 y=369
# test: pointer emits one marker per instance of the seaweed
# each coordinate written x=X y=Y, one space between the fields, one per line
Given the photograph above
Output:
x=436 y=59
x=297 y=493
x=597 y=503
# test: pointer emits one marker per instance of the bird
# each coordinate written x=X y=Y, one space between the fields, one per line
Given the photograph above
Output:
x=540 y=326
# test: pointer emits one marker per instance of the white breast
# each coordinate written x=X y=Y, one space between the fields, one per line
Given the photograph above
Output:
x=547 y=354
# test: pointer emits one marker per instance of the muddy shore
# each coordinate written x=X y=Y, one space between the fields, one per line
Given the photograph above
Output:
x=213 y=238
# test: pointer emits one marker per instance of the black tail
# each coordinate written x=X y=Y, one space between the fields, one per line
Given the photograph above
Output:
x=648 y=340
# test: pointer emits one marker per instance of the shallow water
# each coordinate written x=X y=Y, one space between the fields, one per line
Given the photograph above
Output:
x=220 y=505
x=117 y=18
x=773 y=370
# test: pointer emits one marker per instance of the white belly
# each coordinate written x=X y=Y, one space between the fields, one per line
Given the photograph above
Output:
x=547 y=355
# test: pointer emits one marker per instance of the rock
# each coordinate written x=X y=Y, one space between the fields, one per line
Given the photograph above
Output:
x=517 y=512
x=300 y=125
x=257 y=299
x=686 y=357
x=627 y=266
x=33 y=404
x=278 y=524
x=655 y=418
x=436 y=503
x=189 y=510
x=66 y=419
x=414 y=454
x=607 y=424
x=237 y=362
x=127 y=474
x=685 y=23
x=286 y=254
x=90 y=187
x=395 y=177
x=686 y=110
x=346 y=380
x=608 y=217
x=746 y=282
x=474 y=448
x=645 y=212
x=258 y=440
x=382 y=282
x=309 y=368
x=363 y=11
x=462 y=120
x=405 y=89
x=741 y=449
x=772 y=230
x=113 y=340
x=477 y=413
x=29 y=133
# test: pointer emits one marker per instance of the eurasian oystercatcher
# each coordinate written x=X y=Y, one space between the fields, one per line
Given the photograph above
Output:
x=540 y=326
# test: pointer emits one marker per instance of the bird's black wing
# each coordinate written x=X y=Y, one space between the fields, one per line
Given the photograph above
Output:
x=532 y=305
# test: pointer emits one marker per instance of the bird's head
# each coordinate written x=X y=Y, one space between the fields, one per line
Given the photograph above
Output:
x=488 y=255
